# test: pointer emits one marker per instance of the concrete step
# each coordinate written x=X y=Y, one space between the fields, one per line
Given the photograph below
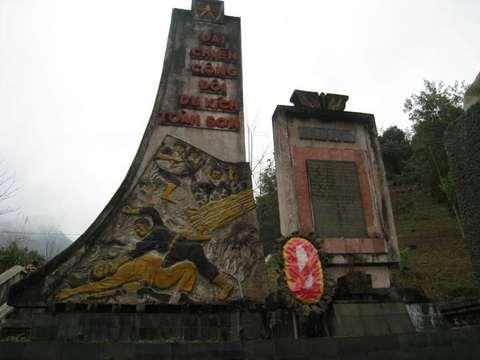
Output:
x=8 y=278
x=4 y=311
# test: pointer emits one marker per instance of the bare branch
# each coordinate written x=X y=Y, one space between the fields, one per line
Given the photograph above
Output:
x=262 y=157
x=8 y=189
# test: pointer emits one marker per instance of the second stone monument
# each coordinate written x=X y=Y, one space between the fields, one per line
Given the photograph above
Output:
x=332 y=186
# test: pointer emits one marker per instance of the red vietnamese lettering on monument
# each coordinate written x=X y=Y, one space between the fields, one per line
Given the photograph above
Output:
x=212 y=39
x=222 y=55
x=209 y=103
x=223 y=123
x=209 y=60
x=184 y=118
x=180 y=119
x=212 y=86
x=213 y=70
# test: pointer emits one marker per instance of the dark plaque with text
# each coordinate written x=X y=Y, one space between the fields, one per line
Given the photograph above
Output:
x=322 y=134
x=336 y=199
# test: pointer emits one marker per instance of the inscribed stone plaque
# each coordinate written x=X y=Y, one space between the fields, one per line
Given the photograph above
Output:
x=336 y=199
x=323 y=134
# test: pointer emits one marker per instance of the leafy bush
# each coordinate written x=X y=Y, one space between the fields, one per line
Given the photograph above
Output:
x=432 y=111
x=12 y=254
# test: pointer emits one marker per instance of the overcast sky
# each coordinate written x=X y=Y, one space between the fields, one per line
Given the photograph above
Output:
x=78 y=79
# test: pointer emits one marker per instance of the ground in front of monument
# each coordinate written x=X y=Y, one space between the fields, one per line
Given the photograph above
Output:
x=173 y=267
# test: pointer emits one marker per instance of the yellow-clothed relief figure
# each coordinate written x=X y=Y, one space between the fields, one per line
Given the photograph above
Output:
x=184 y=258
x=134 y=274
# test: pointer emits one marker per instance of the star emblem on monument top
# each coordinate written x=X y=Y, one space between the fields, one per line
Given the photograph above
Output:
x=208 y=10
x=205 y=10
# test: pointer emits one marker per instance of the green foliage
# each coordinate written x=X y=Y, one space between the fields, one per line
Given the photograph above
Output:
x=273 y=265
x=396 y=151
x=12 y=254
x=432 y=111
x=404 y=259
x=267 y=207
x=447 y=186
x=268 y=179
x=15 y=339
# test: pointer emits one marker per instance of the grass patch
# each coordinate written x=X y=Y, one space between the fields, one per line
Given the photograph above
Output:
x=15 y=339
x=434 y=257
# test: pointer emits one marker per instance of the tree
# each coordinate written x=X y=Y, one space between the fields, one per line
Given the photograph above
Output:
x=267 y=207
x=432 y=111
x=396 y=152
x=12 y=254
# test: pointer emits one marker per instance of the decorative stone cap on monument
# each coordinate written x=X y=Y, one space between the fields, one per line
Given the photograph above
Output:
x=324 y=106
x=314 y=100
x=472 y=95
x=208 y=10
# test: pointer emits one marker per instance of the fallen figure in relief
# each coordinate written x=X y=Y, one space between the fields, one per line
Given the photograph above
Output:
x=135 y=274
x=183 y=260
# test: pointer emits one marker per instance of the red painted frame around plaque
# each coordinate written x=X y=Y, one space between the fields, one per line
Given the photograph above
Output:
x=374 y=243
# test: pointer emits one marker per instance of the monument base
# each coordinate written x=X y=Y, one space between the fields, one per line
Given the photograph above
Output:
x=79 y=323
x=449 y=344
x=369 y=319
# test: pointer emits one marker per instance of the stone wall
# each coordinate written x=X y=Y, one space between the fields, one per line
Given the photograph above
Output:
x=453 y=344
x=463 y=149
x=153 y=323
x=357 y=319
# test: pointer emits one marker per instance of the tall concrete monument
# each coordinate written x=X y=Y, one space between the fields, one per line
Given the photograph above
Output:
x=182 y=226
x=472 y=94
x=332 y=185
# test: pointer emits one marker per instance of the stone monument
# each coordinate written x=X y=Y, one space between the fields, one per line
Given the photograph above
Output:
x=472 y=94
x=332 y=185
x=332 y=190
x=182 y=226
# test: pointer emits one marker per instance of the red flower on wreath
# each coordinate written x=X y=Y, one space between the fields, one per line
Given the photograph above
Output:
x=303 y=270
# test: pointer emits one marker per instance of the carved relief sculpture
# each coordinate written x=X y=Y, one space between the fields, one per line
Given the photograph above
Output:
x=166 y=255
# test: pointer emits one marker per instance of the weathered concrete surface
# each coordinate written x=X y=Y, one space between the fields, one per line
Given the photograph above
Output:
x=116 y=324
x=174 y=326
x=461 y=312
x=123 y=323
x=461 y=344
x=304 y=134
x=374 y=319
x=426 y=316
x=8 y=278
x=472 y=95
x=189 y=169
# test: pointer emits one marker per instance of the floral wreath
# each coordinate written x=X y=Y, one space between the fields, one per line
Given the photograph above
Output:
x=309 y=260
